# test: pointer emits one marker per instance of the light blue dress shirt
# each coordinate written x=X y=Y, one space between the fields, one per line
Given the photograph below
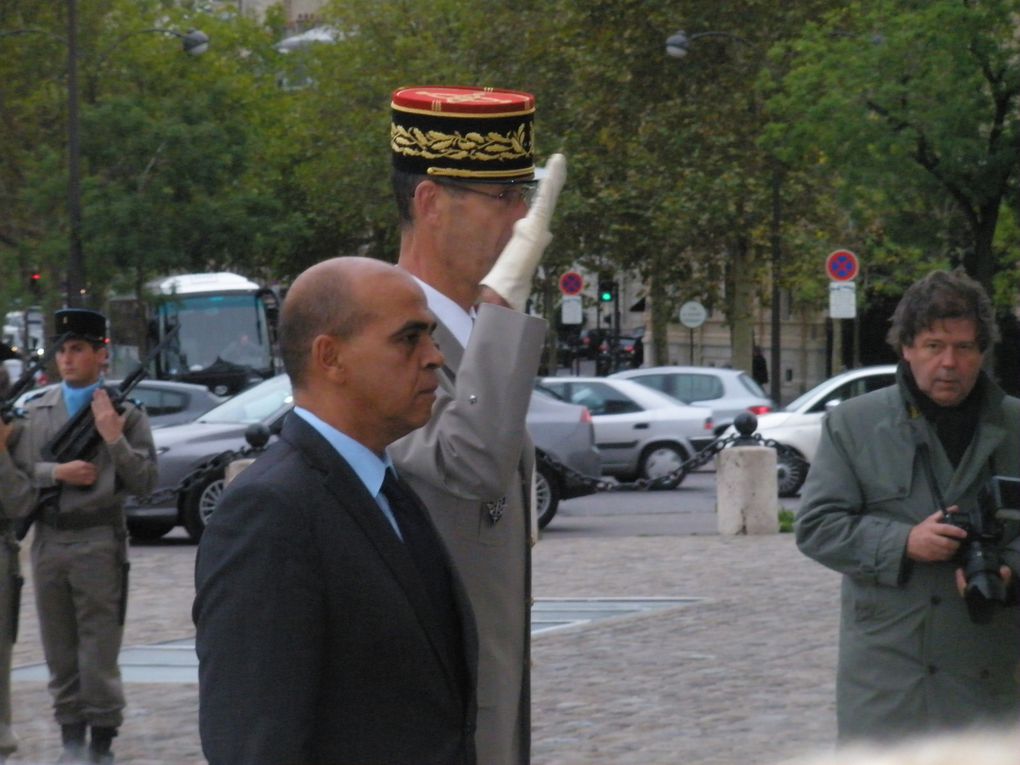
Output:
x=363 y=461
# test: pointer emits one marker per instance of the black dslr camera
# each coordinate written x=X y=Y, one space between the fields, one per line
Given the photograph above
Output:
x=979 y=552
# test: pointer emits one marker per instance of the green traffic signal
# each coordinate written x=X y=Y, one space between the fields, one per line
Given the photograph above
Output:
x=607 y=291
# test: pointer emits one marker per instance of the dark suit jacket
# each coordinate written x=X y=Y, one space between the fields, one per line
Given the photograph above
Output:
x=317 y=644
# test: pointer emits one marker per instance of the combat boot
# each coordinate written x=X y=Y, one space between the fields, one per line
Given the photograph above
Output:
x=99 y=747
x=73 y=738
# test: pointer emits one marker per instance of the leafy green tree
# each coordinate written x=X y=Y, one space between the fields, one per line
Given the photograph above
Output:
x=920 y=100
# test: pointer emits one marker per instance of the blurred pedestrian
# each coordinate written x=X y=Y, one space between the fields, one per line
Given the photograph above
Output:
x=889 y=465
x=16 y=496
x=463 y=178
x=759 y=367
x=79 y=551
x=331 y=624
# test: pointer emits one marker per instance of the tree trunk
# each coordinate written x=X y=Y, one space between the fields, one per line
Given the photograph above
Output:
x=740 y=304
x=662 y=308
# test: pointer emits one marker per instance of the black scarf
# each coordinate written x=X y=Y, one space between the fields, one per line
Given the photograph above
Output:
x=955 y=425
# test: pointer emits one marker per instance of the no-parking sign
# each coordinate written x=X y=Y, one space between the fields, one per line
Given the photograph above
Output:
x=571 y=283
x=841 y=266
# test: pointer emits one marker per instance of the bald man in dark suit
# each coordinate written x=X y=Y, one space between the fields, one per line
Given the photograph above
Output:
x=332 y=627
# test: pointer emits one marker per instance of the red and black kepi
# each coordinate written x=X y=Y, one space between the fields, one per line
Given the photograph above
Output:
x=481 y=135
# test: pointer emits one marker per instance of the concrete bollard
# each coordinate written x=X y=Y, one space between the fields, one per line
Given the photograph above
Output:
x=233 y=469
x=746 y=490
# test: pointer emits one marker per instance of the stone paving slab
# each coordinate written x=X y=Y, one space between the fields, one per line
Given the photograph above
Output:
x=745 y=676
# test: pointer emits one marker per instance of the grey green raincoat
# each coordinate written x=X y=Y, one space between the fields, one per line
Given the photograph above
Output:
x=910 y=658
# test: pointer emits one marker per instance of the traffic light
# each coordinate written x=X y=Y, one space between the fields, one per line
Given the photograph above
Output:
x=35 y=283
x=607 y=290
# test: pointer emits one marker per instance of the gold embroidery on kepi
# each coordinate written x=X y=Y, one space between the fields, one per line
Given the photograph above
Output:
x=475 y=134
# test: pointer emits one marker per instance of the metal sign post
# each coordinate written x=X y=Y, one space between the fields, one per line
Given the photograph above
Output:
x=692 y=316
x=841 y=267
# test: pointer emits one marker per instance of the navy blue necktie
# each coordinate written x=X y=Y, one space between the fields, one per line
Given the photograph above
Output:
x=426 y=553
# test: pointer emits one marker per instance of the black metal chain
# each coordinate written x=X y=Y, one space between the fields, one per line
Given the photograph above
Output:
x=218 y=464
x=212 y=466
x=675 y=478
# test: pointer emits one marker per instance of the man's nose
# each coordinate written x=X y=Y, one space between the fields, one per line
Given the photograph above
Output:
x=949 y=357
x=433 y=356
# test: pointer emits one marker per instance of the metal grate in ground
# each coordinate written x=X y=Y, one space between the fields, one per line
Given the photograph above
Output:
x=175 y=661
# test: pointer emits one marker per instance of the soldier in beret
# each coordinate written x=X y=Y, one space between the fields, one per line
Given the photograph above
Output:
x=472 y=235
x=79 y=551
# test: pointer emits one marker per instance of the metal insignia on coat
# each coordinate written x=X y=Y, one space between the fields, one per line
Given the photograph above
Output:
x=495 y=509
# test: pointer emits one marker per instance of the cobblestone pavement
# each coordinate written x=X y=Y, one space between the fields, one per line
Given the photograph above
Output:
x=744 y=676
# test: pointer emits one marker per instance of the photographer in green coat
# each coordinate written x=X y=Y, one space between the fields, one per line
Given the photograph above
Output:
x=912 y=659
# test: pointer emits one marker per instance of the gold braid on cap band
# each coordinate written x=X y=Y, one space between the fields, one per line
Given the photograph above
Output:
x=433 y=144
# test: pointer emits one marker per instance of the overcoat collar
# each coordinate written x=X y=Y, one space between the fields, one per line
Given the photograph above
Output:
x=452 y=350
x=988 y=437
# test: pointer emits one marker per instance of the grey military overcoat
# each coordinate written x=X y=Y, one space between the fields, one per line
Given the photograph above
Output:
x=471 y=465
x=910 y=658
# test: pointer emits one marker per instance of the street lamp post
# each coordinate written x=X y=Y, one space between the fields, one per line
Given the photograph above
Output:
x=193 y=43
x=678 y=46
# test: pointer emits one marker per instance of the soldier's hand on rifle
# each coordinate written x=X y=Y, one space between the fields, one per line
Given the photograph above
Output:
x=76 y=473
x=109 y=424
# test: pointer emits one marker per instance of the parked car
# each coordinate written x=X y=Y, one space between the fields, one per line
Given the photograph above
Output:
x=799 y=425
x=640 y=432
x=565 y=432
x=166 y=402
x=727 y=392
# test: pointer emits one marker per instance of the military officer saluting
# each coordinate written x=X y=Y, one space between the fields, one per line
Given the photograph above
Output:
x=79 y=552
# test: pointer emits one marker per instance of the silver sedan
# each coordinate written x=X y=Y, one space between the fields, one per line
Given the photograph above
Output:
x=640 y=432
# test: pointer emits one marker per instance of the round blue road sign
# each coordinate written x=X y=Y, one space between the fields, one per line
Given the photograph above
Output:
x=841 y=266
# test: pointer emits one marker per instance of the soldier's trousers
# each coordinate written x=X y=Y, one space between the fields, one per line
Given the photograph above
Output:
x=8 y=559
x=78 y=591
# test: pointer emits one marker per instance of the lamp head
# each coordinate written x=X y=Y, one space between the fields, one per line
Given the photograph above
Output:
x=195 y=42
x=678 y=44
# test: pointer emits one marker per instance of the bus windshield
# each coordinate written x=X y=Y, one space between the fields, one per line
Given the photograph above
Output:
x=229 y=327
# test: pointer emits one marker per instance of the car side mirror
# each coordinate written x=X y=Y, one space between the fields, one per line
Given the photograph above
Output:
x=832 y=403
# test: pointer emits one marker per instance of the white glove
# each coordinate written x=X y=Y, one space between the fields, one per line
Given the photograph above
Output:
x=514 y=270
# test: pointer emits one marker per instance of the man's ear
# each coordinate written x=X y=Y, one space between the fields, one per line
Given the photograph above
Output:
x=426 y=200
x=327 y=357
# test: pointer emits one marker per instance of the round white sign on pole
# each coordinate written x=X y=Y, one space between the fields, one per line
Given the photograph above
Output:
x=693 y=314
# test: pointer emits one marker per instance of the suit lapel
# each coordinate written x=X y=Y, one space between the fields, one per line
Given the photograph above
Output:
x=353 y=498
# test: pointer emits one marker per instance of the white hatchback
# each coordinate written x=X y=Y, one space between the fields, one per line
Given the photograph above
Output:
x=799 y=425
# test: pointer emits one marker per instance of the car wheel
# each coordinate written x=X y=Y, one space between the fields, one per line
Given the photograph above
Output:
x=149 y=531
x=659 y=460
x=547 y=493
x=200 y=502
x=791 y=470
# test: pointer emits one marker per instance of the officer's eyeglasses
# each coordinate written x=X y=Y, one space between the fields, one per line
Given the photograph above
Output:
x=510 y=196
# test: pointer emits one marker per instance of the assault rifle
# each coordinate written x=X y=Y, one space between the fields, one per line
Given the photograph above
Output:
x=78 y=438
x=27 y=379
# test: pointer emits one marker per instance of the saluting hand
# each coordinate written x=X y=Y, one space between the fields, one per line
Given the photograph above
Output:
x=931 y=540
x=109 y=424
